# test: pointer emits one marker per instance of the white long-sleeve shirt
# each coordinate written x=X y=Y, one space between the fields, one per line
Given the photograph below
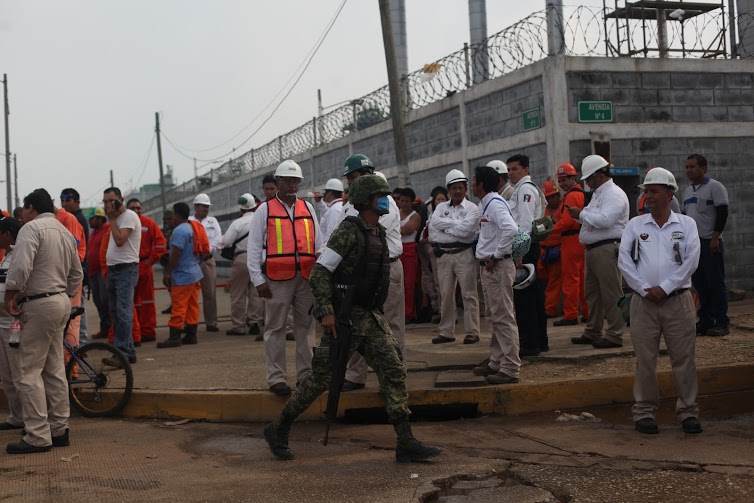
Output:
x=526 y=203
x=330 y=218
x=391 y=221
x=214 y=232
x=257 y=246
x=238 y=228
x=498 y=229
x=605 y=216
x=668 y=255
x=454 y=224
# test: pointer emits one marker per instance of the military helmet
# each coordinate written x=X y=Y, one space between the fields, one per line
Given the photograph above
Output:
x=364 y=187
x=358 y=162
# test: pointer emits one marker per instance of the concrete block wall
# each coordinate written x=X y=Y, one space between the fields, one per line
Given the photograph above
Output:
x=433 y=135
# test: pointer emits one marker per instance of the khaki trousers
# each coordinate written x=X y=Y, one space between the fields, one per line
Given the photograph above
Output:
x=603 y=287
x=245 y=303
x=462 y=269
x=39 y=372
x=504 y=345
x=295 y=294
x=209 y=299
x=675 y=320
x=16 y=415
x=395 y=317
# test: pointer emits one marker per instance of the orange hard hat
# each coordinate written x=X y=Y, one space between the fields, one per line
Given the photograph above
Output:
x=549 y=188
x=565 y=169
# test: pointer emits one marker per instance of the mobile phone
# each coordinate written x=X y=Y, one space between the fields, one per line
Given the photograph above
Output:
x=117 y=204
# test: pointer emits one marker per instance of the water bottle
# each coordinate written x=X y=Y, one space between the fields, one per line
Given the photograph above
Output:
x=15 y=333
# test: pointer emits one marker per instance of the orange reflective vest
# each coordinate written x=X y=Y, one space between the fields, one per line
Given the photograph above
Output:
x=290 y=245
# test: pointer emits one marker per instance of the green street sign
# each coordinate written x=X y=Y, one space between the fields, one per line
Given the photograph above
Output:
x=531 y=119
x=595 y=111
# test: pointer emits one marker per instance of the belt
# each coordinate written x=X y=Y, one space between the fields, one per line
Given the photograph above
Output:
x=675 y=293
x=484 y=262
x=603 y=242
x=240 y=253
x=118 y=267
x=394 y=259
x=570 y=232
x=453 y=251
x=39 y=296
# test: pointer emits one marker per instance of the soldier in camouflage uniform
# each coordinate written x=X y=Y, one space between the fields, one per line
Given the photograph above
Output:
x=371 y=336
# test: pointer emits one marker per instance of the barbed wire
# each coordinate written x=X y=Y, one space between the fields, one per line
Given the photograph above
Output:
x=586 y=31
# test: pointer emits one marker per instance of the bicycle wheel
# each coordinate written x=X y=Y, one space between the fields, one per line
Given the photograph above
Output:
x=100 y=380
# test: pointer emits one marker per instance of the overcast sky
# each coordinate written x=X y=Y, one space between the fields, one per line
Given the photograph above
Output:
x=86 y=76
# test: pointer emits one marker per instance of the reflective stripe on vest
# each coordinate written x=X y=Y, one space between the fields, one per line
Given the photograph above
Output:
x=290 y=245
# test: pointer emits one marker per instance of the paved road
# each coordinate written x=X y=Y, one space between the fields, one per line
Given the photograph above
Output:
x=486 y=459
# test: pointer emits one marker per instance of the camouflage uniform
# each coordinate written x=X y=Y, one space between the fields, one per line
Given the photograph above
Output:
x=371 y=334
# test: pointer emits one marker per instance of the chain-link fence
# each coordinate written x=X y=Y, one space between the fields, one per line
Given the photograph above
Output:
x=586 y=31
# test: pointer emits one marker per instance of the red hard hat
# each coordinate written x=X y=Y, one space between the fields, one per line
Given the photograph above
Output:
x=565 y=169
x=549 y=188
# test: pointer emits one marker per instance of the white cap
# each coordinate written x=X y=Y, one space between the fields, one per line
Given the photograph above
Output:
x=455 y=175
x=381 y=175
x=659 y=176
x=334 y=184
x=202 y=199
x=591 y=164
x=290 y=169
x=499 y=166
x=246 y=202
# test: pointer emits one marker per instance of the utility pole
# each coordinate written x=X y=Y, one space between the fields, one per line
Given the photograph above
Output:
x=7 y=144
x=196 y=171
x=396 y=107
x=15 y=181
x=159 y=160
x=112 y=181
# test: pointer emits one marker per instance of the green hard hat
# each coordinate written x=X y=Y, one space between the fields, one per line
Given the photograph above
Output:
x=358 y=162
x=364 y=187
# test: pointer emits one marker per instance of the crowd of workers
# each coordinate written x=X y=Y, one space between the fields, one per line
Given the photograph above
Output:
x=521 y=255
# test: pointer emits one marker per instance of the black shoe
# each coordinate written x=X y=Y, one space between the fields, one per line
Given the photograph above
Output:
x=581 y=340
x=409 y=449
x=137 y=344
x=647 y=426
x=131 y=359
x=281 y=389
x=691 y=425
x=254 y=329
x=583 y=319
x=471 y=339
x=62 y=440
x=484 y=371
x=190 y=337
x=500 y=378
x=290 y=337
x=23 y=447
x=233 y=332
x=351 y=386
x=278 y=442
x=440 y=339
x=605 y=344
x=700 y=329
x=718 y=331
x=6 y=426
x=565 y=323
x=528 y=352
x=147 y=339
x=167 y=310
x=212 y=328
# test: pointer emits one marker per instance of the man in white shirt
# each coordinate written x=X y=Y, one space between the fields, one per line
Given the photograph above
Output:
x=527 y=203
x=355 y=166
x=658 y=254
x=208 y=264
x=602 y=223
x=333 y=207
x=496 y=234
x=285 y=242
x=245 y=304
x=453 y=228
x=122 y=269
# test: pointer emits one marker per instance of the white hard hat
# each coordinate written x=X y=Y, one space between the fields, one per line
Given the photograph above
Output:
x=202 y=199
x=659 y=176
x=381 y=175
x=246 y=202
x=591 y=164
x=290 y=169
x=453 y=176
x=525 y=276
x=499 y=166
x=334 y=184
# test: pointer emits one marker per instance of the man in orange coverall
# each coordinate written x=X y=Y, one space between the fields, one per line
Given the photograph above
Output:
x=135 y=328
x=571 y=250
x=71 y=223
x=548 y=266
x=151 y=249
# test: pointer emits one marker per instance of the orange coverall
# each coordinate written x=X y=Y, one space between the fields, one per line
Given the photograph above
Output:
x=135 y=328
x=152 y=248
x=572 y=256
x=74 y=227
x=551 y=272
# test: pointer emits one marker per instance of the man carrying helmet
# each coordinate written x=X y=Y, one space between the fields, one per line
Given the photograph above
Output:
x=356 y=256
x=453 y=228
x=245 y=304
x=280 y=257
x=602 y=223
x=333 y=201
x=571 y=249
x=208 y=264
x=659 y=252
x=356 y=166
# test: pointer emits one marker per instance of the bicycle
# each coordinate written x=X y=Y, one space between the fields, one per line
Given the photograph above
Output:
x=100 y=379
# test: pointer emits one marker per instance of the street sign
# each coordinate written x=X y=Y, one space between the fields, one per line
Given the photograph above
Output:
x=631 y=171
x=531 y=119
x=595 y=111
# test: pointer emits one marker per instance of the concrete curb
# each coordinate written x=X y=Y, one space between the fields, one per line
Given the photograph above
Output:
x=725 y=387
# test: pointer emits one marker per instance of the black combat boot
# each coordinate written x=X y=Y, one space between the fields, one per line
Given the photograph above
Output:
x=409 y=449
x=173 y=341
x=190 y=337
x=276 y=435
